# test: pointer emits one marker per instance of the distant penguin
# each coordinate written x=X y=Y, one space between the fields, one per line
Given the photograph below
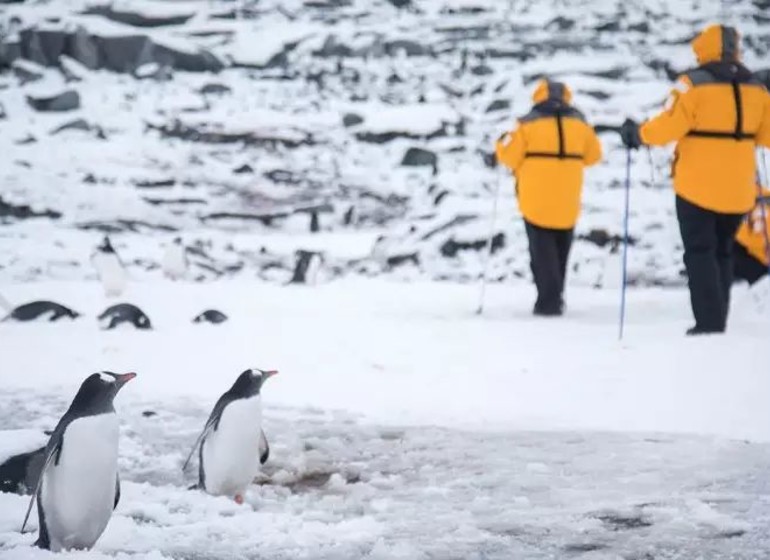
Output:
x=124 y=313
x=175 y=260
x=78 y=486
x=211 y=316
x=111 y=271
x=232 y=445
x=48 y=310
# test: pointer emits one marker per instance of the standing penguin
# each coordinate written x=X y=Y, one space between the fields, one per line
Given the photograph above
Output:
x=111 y=271
x=78 y=486
x=232 y=445
x=175 y=260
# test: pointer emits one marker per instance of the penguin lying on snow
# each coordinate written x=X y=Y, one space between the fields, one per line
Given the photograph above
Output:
x=78 y=486
x=232 y=445
x=124 y=313
x=111 y=271
x=49 y=310
x=211 y=316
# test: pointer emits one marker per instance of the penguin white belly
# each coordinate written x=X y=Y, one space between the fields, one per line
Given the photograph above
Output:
x=111 y=273
x=231 y=453
x=78 y=494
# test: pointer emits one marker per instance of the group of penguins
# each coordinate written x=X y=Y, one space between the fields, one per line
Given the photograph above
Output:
x=114 y=279
x=78 y=485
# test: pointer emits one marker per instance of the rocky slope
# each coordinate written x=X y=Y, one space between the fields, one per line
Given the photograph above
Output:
x=357 y=129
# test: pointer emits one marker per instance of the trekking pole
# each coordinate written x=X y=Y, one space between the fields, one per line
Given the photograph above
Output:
x=489 y=247
x=625 y=246
x=761 y=199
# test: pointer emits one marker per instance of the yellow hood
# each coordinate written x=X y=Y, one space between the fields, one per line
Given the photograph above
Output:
x=717 y=43
x=547 y=90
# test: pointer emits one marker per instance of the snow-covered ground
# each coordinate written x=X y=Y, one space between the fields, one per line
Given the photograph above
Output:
x=403 y=425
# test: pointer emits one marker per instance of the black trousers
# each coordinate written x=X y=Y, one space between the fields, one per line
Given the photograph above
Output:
x=745 y=266
x=708 y=239
x=548 y=253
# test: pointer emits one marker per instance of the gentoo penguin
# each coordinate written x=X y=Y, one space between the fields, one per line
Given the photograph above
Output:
x=49 y=310
x=78 y=486
x=213 y=316
x=232 y=445
x=175 y=260
x=111 y=271
x=124 y=313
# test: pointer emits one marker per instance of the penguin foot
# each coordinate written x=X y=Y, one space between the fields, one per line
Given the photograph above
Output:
x=239 y=499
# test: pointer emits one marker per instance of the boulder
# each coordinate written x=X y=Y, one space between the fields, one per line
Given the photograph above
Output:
x=67 y=100
x=24 y=211
x=419 y=157
x=27 y=71
x=498 y=105
x=138 y=17
x=451 y=247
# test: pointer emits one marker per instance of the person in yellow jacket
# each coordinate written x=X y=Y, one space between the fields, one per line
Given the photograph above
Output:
x=717 y=114
x=547 y=152
x=752 y=250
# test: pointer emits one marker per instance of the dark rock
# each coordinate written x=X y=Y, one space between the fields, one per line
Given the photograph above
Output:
x=451 y=247
x=155 y=184
x=174 y=201
x=351 y=119
x=609 y=26
x=596 y=94
x=119 y=53
x=24 y=212
x=602 y=238
x=641 y=27
x=398 y=260
x=498 y=105
x=410 y=48
x=489 y=158
x=611 y=74
x=177 y=129
x=77 y=124
x=482 y=70
x=27 y=71
x=245 y=168
x=28 y=139
x=560 y=23
x=118 y=226
x=578 y=548
x=138 y=19
x=9 y=51
x=67 y=100
x=522 y=55
x=401 y=3
x=212 y=316
x=302 y=268
x=19 y=474
x=149 y=413
x=315 y=224
x=3 y=114
x=439 y=197
x=41 y=309
x=417 y=157
x=385 y=137
x=215 y=89
x=333 y=49
x=124 y=313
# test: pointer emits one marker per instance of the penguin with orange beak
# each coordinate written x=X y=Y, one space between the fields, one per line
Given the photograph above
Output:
x=232 y=445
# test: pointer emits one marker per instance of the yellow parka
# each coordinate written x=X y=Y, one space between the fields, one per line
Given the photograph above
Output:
x=547 y=153
x=717 y=114
x=753 y=231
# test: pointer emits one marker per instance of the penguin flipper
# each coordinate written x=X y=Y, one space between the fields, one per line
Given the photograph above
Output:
x=53 y=447
x=264 y=448
x=117 y=491
x=204 y=433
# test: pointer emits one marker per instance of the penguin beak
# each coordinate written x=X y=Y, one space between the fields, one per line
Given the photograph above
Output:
x=124 y=378
x=269 y=373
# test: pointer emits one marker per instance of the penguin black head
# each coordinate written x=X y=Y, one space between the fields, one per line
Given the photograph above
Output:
x=250 y=382
x=97 y=392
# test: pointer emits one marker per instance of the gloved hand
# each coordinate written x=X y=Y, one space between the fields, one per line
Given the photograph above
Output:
x=629 y=134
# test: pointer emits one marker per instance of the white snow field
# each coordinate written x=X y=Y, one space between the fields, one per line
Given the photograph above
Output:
x=402 y=425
